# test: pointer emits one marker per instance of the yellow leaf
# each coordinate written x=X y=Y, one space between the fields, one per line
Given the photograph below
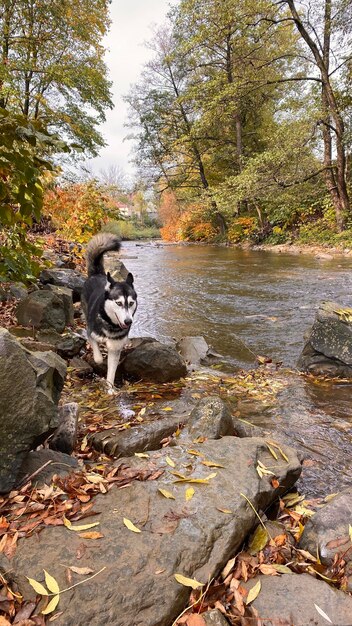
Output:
x=322 y=613
x=179 y=475
x=167 y=408
x=282 y=569
x=170 y=462
x=38 y=587
x=211 y=476
x=131 y=526
x=197 y=481
x=254 y=592
x=211 y=464
x=142 y=455
x=95 y=478
x=272 y=452
x=84 y=443
x=52 y=605
x=194 y=452
x=51 y=583
x=258 y=540
x=350 y=531
x=84 y=526
x=223 y=510
x=188 y=582
x=189 y=493
x=67 y=522
x=167 y=494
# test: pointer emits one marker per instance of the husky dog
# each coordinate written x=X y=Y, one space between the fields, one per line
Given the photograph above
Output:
x=108 y=306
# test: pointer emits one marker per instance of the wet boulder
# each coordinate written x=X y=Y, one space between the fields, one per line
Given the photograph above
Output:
x=30 y=387
x=136 y=585
x=297 y=598
x=193 y=349
x=65 y=436
x=71 y=279
x=210 y=418
x=328 y=348
x=154 y=361
x=42 y=309
x=327 y=532
x=41 y=465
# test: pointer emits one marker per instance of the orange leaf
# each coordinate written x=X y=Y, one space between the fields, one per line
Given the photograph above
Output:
x=91 y=535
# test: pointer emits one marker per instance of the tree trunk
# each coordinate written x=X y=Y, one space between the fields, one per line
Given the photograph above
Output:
x=335 y=176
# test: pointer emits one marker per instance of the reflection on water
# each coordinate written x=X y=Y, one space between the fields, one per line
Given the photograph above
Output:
x=247 y=303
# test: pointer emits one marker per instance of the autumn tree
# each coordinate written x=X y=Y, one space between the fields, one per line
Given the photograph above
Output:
x=325 y=29
x=52 y=67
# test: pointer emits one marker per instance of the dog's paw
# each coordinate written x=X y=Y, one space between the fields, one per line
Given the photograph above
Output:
x=112 y=391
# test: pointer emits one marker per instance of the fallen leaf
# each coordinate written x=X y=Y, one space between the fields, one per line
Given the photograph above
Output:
x=92 y=535
x=167 y=494
x=79 y=528
x=51 y=583
x=223 y=510
x=323 y=614
x=4 y=621
x=258 y=540
x=228 y=567
x=130 y=525
x=195 y=620
x=194 y=452
x=267 y=570
x=52 y=605
x=159 y=571
x=167 y=408
x=350 y=531
x=188 y=582
x=170 y=461
x=189 y=493
x=253 y=593
x=82 y=571
x=142 y=455
x=282 y=569
x=38 y=587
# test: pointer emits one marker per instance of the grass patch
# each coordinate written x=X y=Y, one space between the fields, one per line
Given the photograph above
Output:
x=127 y=230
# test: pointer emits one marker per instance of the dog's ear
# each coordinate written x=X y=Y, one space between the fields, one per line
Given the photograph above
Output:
x=109 y=282
x=129 y=279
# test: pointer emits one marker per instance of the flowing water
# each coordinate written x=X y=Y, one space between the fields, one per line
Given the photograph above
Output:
x=254 y=302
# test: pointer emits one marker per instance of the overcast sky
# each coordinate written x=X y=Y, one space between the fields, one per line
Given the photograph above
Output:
x=132 y=21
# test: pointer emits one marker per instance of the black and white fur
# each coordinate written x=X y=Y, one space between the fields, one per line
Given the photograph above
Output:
x=109 y=306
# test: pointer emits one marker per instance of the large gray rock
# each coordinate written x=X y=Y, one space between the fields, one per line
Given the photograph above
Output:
x=210 y=418
x=326 y=533
x=193 y=349
x=137 y=586
x=155 y=362
x=42 y=309
x=328 y=348
x=291 y=599
x=72 y=279
x=41 y=465
x=30 y=386
x=66 y=295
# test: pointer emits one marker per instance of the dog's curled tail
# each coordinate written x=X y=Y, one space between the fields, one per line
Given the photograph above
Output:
x=98 y=245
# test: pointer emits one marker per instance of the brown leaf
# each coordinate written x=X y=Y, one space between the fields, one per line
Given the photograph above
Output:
x=195 y=620
x=83 y=571
x=25 y=612
x=91 y=535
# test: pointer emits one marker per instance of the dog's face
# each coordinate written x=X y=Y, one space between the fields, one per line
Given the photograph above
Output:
x=120 y=301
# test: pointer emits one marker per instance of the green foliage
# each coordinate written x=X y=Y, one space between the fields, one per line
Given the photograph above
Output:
x=21 y=191
x=242 y=228
x=52 y=65
x=19 y=257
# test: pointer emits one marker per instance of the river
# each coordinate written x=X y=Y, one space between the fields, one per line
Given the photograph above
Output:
x=255 y=302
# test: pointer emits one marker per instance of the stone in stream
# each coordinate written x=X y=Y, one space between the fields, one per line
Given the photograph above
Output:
x=30 y=387
x=327 y=532
x=328 y=348
x=193 y=349
x=210 y=418
x=154 y=361
x=195 y=538
x=294 y=598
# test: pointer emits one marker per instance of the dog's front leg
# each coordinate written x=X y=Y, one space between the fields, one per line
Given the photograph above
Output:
x=97 y=355
x=114 y=351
